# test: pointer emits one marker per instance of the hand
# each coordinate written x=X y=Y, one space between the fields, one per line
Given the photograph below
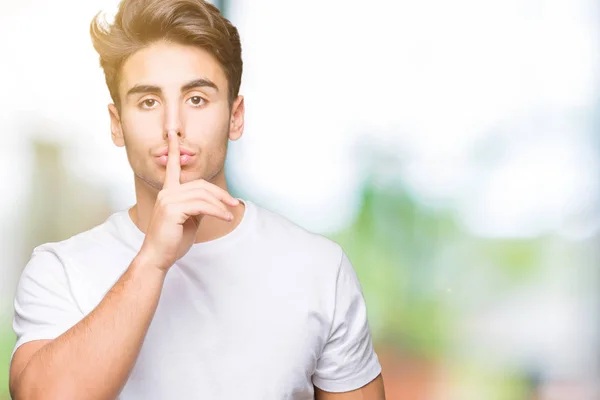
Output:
x=178 y=211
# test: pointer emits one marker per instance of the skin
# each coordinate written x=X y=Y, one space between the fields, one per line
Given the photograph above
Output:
x=173 y=97
x=372 y=391
x=200 y=115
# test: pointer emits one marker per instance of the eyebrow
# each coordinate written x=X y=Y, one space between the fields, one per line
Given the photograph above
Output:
x=196 y=83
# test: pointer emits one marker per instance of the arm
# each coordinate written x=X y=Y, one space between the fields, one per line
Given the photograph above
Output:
x=92 y=359
x=348 y=367
x=371 y=391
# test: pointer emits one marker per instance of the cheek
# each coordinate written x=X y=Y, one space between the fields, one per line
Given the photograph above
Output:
x=207 y=125
x=140 y=132
x=142 y=126
x=137 y=133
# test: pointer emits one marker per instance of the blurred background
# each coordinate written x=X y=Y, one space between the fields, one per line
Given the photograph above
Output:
x=451 y=148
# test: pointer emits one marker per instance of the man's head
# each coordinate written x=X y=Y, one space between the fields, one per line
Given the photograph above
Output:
x=172 y=65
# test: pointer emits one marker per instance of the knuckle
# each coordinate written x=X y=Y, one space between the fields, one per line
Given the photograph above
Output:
x=200 y=193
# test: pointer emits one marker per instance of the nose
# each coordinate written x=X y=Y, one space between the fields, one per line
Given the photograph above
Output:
x=173 y=121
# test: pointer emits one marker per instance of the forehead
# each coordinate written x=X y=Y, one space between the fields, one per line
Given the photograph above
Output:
x=170 y=65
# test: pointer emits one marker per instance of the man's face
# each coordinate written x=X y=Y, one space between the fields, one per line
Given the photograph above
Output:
x=172 y=87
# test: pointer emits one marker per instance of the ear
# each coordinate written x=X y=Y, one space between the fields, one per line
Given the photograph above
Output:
x=236 y=125
x=115 y=126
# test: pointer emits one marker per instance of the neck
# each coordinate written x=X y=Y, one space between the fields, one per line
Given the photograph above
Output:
x=210 y=228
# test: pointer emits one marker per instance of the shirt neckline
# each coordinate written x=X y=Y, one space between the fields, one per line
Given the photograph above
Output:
x=210 y=246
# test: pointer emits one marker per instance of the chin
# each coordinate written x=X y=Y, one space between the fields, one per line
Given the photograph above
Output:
x=189 y=176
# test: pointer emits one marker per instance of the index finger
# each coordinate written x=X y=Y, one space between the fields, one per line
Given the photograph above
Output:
x=173 y=162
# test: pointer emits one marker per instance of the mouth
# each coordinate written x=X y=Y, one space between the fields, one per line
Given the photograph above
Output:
x=184 y=159
x=186 y=156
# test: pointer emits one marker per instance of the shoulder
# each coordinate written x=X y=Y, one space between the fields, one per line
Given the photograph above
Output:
x=283 y=232
x=297 y=243
x=83 y=266
x=73 y=257
x=95 y=239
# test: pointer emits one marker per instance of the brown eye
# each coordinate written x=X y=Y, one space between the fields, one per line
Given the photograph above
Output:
x=196 y=101
x=149 y=103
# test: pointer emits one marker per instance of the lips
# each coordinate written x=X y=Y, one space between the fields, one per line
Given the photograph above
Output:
x=182 y=150
x=186 y=156
x=184 y=159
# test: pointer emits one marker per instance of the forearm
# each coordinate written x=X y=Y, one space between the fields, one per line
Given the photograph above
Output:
x=371 y=391
x=93 y=359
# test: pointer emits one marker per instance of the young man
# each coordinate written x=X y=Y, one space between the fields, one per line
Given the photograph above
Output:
x=191 y=293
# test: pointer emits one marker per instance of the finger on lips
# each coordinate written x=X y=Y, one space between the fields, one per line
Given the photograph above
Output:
x=173 y=172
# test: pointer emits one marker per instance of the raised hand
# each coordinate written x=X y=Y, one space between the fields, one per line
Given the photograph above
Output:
x=178 y=211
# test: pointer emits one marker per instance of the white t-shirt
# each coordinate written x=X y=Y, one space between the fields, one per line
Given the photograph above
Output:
x=263 y=312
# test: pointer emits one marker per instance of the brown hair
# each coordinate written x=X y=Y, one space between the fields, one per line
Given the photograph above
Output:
x=139 y=23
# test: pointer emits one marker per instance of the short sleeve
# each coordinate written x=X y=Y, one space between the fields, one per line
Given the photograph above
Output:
x=44 y=305
x=348 y=360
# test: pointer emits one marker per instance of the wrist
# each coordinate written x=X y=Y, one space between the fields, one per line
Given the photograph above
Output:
x=146 y=261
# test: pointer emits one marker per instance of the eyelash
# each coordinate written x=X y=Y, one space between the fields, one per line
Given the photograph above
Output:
x=141 y=105
x=150 y=107
x=203 y=101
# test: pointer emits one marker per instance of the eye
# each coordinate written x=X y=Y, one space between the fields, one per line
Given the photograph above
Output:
x=148 y=104
x=196 y=101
